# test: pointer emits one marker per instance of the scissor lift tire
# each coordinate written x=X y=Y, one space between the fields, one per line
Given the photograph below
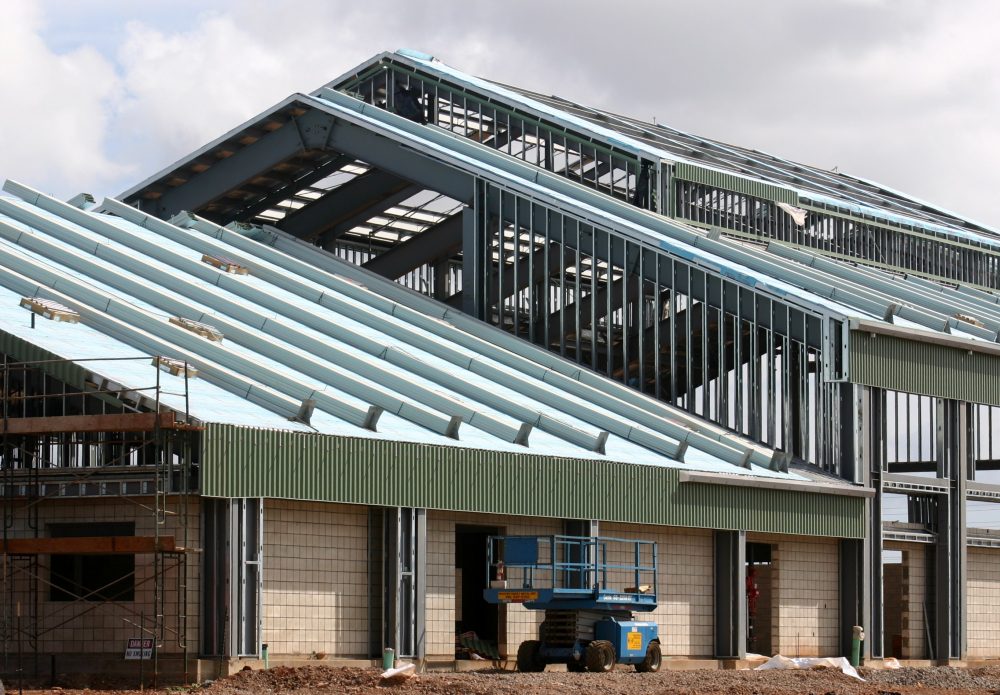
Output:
x=600 y=656
x=651 y=664
x=528 y=659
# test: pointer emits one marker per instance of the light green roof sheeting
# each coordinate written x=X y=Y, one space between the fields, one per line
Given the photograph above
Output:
x=246 y=462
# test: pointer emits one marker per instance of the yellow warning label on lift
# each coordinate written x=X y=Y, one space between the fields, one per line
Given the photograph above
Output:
x=517 y=596
x=634 y=641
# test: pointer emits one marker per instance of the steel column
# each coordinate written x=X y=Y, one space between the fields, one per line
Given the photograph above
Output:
x=474 y=258
x=730 y=594
x=873 y=454
x=955 y=451
x=852 y=590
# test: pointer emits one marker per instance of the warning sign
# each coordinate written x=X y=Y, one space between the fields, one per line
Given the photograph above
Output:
x=139 y=648
x=517 y=596
x=634 y=641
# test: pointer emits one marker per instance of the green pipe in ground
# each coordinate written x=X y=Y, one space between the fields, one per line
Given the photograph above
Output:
x=856 y=640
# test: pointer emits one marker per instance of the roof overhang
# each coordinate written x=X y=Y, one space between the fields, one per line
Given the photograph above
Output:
x=910 y=360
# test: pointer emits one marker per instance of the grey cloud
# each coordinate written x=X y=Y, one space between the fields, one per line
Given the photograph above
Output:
x=905 y=93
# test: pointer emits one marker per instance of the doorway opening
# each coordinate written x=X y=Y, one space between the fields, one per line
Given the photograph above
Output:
x=475 y=619
x=760 y=597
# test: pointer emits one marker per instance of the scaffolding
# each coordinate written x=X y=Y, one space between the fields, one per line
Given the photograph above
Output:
x=68 y=433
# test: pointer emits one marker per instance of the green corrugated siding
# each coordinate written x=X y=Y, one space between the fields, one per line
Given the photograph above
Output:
x=888 y=362
x=736 y=184
x=244 y=462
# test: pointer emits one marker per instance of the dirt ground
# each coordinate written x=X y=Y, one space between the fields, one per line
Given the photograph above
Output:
x=343 y=681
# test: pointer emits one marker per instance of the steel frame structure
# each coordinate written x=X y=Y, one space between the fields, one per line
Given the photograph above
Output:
x=926 y=241
x=654 y=316
x=115 y=452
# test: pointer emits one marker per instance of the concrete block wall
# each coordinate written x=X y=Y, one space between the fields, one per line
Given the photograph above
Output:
x=685 y=589
x=915 y=584
x=315 y=595
x=805 y=607
x=441 y=594
x=984 y=603
x=892 y=597
x=87 y=627
x=906 y=590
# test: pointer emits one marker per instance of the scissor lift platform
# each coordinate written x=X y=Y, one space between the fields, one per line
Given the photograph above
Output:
x=589 y=587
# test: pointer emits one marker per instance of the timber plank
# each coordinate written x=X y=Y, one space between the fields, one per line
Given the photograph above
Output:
x=89 y=545
x=123 y=422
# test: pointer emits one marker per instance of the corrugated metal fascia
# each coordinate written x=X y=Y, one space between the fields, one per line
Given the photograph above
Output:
x=736 y=184
x=911 y=366
x=246 y=462
x=69 y=373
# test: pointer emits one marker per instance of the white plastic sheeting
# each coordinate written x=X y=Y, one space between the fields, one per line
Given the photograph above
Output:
x=810 y=663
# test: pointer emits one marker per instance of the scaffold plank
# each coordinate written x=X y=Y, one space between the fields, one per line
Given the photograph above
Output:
x=122 y=422
x=90 y=545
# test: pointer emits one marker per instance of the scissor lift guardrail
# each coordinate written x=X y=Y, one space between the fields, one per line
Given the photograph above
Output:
x=573 y=573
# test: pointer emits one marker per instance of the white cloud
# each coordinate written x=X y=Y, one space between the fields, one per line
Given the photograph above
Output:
x=56 y=108
x=905 y=94
x=184 y=89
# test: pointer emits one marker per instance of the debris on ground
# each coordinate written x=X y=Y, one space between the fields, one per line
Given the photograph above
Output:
x=394 y=676
x=329 y=680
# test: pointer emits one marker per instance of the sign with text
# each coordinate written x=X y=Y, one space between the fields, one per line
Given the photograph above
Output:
x=517 y=596
x=139 y=648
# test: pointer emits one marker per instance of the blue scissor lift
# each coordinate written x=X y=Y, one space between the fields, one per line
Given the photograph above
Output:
x=588 y=622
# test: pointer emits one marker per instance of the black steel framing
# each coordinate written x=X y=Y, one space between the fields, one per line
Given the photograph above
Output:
x=579 y=157
x=597 y=163
x=838 y=235
x=902 y=430
x=658 y=323
x=682 y=333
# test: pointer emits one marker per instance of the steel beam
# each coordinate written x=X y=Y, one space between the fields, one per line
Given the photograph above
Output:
x=931 y=466
x=308 y=131
x=443 y=240
x=405 y=162
x=850 y=434
x=420 y=582
x=271 y=198
x=440 y=274
x=352 y=203
x=334 y=231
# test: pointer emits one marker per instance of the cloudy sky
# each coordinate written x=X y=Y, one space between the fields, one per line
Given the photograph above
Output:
x=97 y=94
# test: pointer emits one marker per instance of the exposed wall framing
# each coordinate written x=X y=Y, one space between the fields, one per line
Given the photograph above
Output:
x=61 y=441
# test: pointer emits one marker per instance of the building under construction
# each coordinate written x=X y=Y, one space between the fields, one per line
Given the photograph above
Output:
x=281 y=392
